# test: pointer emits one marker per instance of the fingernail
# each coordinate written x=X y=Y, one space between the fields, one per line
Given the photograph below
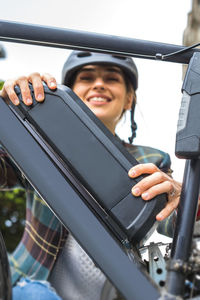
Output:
x=145 y=196
x=52 y=84
x=132 y=173
x=40 y=97
x=28 y=101
x=159 y=217
x=136 y=191
x=16 y=102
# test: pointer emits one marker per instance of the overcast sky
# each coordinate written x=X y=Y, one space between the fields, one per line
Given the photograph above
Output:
x=159 y=92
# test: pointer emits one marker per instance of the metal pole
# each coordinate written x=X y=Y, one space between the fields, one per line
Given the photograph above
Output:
x=184 y=228
x=80 y=40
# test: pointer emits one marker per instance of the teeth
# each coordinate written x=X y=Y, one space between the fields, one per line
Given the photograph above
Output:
x=98 y=99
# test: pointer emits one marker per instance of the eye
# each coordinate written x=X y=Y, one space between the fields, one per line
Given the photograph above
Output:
x=112 y=78
x=86 y=77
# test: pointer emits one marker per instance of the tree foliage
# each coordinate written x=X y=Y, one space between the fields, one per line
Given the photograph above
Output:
x=12 y=212
x=1 y=84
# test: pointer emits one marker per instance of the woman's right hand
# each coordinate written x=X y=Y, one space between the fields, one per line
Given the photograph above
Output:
x=8 y=91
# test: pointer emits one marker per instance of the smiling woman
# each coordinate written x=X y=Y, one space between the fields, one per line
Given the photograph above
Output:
x=103 y=90
x=116 y=71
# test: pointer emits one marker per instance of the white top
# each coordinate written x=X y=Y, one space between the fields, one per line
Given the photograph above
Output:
x=75 y=276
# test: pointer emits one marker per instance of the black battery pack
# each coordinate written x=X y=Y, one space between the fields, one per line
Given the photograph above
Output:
x=95 y=158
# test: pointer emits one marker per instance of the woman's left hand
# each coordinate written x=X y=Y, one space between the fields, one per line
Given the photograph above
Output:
x=156 y=183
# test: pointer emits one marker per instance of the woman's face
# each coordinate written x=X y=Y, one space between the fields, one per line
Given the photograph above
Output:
x=102 y=88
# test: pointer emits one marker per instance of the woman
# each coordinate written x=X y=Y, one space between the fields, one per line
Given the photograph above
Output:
x=107 y=85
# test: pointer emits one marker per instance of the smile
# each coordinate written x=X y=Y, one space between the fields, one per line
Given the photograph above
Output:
x=99 y=99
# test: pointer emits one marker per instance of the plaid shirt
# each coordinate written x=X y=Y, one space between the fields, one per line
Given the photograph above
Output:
x=44 y=236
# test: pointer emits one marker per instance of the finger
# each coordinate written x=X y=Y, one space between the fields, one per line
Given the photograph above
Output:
x=156 y=190
x=148 y=182
x=36 y=80
x=50 y=81
x=8 y=91
x=142 y=169
x=169 y=208
x=25 y=90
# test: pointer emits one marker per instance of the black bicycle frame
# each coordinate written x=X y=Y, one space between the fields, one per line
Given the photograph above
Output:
x=125 y=275
x=80 y=40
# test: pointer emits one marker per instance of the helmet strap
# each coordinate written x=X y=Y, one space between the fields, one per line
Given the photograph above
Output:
x=133 y=124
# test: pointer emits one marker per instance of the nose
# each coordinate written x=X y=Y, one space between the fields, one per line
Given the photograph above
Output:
x=99 y=84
